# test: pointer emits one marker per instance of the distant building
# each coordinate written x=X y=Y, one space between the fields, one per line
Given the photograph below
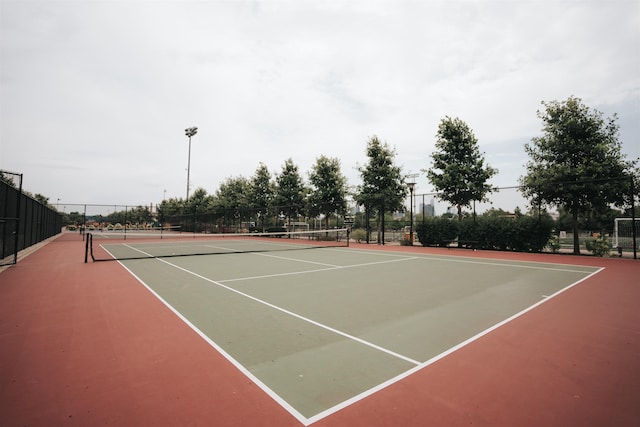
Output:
x=428 y=209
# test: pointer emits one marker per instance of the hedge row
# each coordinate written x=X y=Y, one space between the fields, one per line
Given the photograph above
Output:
x=524 y=233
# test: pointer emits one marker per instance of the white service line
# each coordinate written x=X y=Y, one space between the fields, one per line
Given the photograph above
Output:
x=293 y=273
x=290 y=313
x=298 y=260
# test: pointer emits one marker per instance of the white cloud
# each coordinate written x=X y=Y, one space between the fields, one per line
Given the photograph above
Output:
x=108 y=87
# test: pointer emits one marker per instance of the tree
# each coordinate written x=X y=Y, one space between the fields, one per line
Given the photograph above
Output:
x=261 y=193
x=290 y=191
x=170 y=211
x=577 y=163
x=383 y=188
x=196 y=208
x=140 y=215
x=232 y=198
x=458 y=170
x=329 y=189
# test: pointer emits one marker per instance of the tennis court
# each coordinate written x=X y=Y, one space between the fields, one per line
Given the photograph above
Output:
x=320 y=329
x=368 y=336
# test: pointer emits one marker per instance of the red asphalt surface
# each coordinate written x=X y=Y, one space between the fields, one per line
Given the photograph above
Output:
x=88 y=345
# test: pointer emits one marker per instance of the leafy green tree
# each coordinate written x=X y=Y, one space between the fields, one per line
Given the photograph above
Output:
x=383 y=188
x=261 y=193
x=199 y=202
x=170 y=211
x=196 y=209
x=328 y=189
x=458 y=170
x=232 y=198
x=577 y=163
x=139 y=215
x=290 y=191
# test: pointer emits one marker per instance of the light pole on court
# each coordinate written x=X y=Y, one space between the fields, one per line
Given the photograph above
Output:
x=189 y=132
x=411 y=184
x=411 y=187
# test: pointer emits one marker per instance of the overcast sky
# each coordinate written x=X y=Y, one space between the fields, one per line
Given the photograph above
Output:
x=95 y=95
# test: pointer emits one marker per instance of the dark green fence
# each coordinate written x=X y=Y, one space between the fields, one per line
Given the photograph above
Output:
x=23 y=220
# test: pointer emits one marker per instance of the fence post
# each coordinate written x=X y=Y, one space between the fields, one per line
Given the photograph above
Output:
x=633 y=221
x=17 y=229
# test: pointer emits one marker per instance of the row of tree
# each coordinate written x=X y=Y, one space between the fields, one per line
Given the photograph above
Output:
x=576 y=165
x=263 y=197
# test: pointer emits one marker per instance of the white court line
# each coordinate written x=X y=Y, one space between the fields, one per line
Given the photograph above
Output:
x=293 y=273
x=304 y=261
x=418 y=365
x=297 y=260
x=290 y=313
x=283 y=403
x=536 y=265
x=434 y=359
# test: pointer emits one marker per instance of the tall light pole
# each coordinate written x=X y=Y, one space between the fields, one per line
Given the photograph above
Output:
x=189 y=132
x=411 y=184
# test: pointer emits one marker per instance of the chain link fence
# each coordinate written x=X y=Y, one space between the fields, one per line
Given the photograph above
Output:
x=23 y=220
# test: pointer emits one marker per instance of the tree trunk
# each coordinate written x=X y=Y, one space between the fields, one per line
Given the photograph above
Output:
x=576 y=237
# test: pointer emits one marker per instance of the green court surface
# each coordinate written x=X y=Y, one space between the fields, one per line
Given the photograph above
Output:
x=318 y=329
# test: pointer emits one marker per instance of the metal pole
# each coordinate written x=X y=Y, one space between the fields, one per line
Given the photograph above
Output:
x=188 y=167
x=411 y=219
x=633 y=221
x=189 y=132
x=366 y=223
x=412 y=185
x=16 y=239
x=383 y=225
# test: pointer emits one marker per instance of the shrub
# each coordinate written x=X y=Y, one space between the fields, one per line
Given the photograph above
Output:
x=554 y=244
x=532 y=233
x=437 y=231
x=525 y=233
x=599 y=246
x=359 y=235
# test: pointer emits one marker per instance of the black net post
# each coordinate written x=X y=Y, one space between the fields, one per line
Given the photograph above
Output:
x=86 y=248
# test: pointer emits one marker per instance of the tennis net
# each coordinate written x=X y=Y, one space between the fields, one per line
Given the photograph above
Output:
x=100 y=247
